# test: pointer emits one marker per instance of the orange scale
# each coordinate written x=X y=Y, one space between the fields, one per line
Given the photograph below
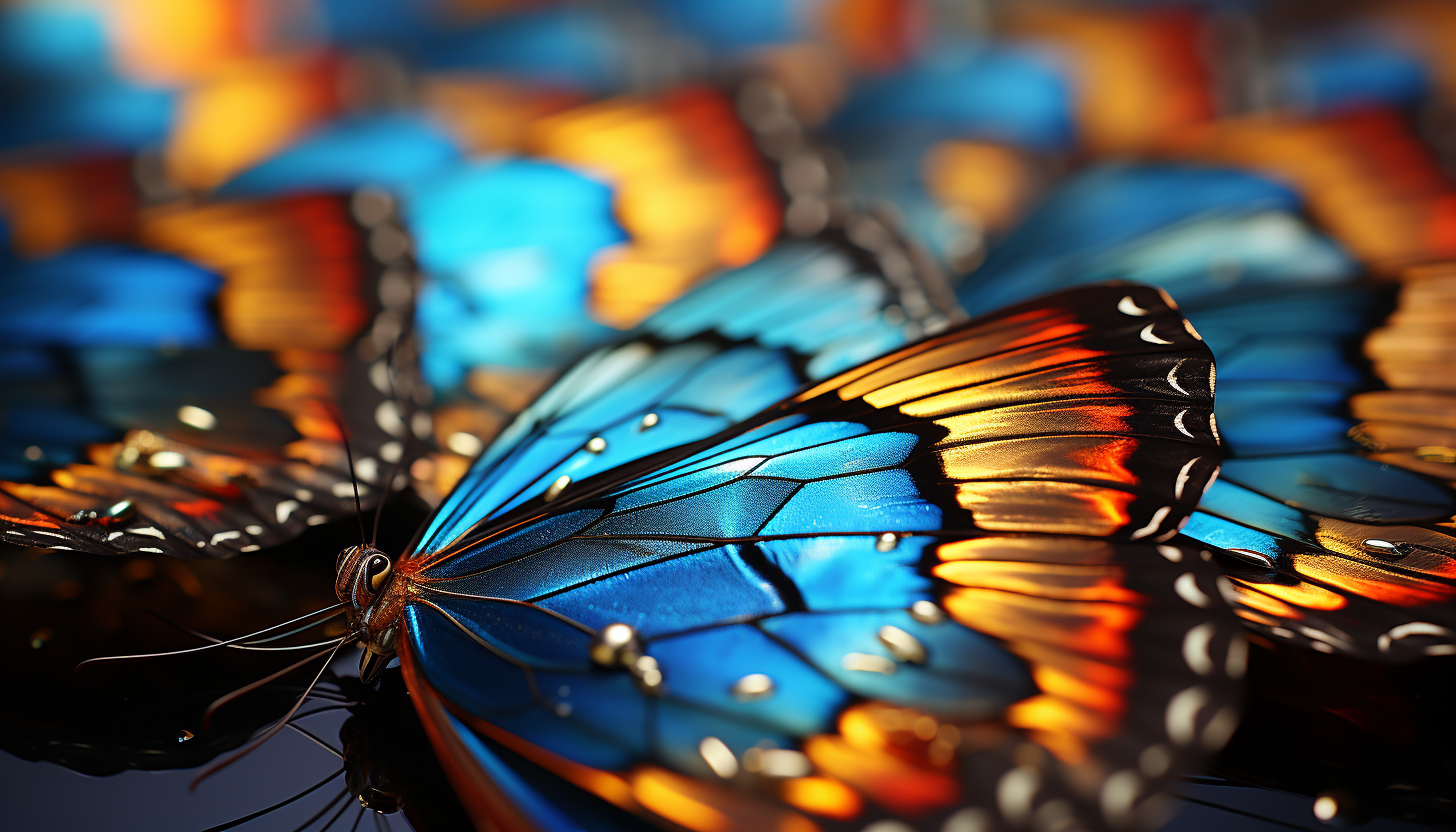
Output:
x=1254 y=597
x=1064 y=746
x=822 y=796
x=197 y=508
x=893 y=783
x=33 y=518
x=748 y=231
x=1305 y=595
x=1059 y=683
x=1089 y=671
x=1093 y=628
x=660 y=794
x=1373 y=582
x=1048 y=712
x=1256 y=618
x=1066 y=581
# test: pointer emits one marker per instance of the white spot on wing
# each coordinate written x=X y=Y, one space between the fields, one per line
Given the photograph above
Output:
x=719 y=757
x=1147 y=335
x=1173 y=377
x=903 y=646
x=167 y=459
x=1128 y=306
x=387 y=416
x=867 y=663
x=465 y=444
x=196 y=417
x=1178 y=423
x=753 y=686
x=285 y=509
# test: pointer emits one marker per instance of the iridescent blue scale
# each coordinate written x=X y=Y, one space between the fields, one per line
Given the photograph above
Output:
x=696 y=369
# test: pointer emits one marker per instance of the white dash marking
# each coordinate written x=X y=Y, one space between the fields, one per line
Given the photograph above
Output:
x=1178 y=423
x=1173 y=377
x=285 y=509
x=1147 y=335
x=1128 y=306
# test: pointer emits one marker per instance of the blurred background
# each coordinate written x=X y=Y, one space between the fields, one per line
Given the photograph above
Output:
x=199 y=198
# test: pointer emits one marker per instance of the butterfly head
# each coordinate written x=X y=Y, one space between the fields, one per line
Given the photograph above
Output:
x=364 y=576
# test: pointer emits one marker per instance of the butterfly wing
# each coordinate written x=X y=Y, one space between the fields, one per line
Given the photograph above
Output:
x=228 y=422
x=706 y=362
x=1354 y=554
x=1326 y=547
x=849 y=605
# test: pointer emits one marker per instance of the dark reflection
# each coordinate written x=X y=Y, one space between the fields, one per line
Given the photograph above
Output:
x=60 y=608
x=1363 y=744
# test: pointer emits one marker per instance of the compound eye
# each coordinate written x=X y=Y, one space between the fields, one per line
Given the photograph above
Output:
x=343 y=556
x=377 y=570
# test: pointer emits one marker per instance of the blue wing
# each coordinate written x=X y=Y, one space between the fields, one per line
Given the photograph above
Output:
x=790 y=583
x=708 y=361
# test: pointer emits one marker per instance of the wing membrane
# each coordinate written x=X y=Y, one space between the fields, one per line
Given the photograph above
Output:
x=839 y=562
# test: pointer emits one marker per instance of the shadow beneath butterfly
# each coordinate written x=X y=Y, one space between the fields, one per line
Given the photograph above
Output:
x=137 y=730
x=1363 y=744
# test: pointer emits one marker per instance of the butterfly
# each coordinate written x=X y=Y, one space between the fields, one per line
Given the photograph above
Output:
x=836 y=555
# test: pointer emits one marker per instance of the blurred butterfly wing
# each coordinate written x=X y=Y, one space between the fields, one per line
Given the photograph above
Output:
x=231 y=443
x=49 y=206
x=382 y=151
x=1345 y=553
x=801 y=582
x=1101 y=210
x=708 y=361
